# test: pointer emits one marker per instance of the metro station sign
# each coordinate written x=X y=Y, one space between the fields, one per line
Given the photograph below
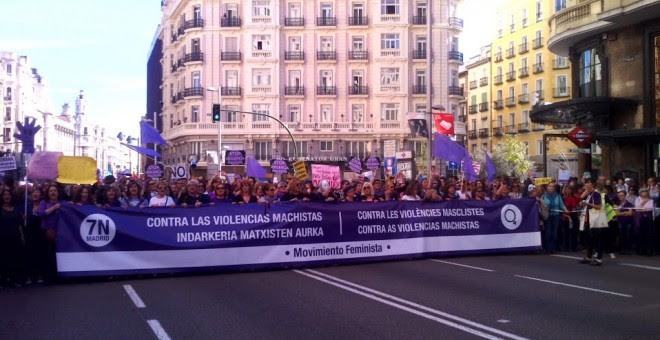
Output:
x=580 y=137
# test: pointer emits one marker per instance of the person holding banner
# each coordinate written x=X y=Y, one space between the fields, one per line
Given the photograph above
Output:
x=11 y=240
x=83 y=196
x=245 y=195
x=49 y=210
x=192 y=196
x=219 y=194
x=410 y=194
x=390 y=194
x=133 y=197
x=161 y=199
x=368 y=193
x=109 y=199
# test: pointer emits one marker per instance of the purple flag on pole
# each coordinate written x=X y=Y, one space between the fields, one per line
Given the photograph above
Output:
x=254 y=169
x=149 y=134
x=490 y=167
x=470 y=175
x=144 y=151
x=447 y=149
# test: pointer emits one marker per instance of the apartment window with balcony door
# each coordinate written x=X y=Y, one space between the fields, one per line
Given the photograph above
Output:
x=357 y=43
x=231 y=115
x=325 y=146
x=389 y=7
x=231 y=44
x=357 y=9
x=538 y=58
x=484 y=98
x=326 y=113
x=524 y=17
x=326 y=44
x=263 y=109
x=420 y=9
x=539 y=85
x=562 y=85
x=590 y=74
x=523 y=62
x=562 y=62
x=390 y=112
x=231 y=78
x=357 y=111
x=295 y=79
x=453 y=44
x=389 y=41
x=499 y=121
x=559 y=5
x=261 y=8
x=389 y=76
x=511 y=48
x=538 y=38
x=513 y=23
x=512 y=92
x=358 y=79
x=511 y=67
x=8 y=94
x=326 y=9
x=499 y=71
x=499 y=51
x=525 y=91
x=195 y=46
x=473 y=125
x=499 y=94
x=197 y=12
x=473 y=100
x=196 y=79
x=194 y=114
x=512 y=118
x=263 y=151
x=454 y=78
x=326 y=78
x=261 y=42
x=261 y=77
x=539 y=10
x=420 y=77
x=293 y=113
x=525 y=116
x=9 y=70
x=295 y=10
x=295 y=44
x=420 y=43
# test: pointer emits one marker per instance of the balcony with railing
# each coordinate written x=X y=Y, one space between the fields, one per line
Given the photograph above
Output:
x=455 y=56
x=511 y=76
x=193 y=57
x=390 y=18
x=419 y=89
x=523 y=98
x=510 y=53
x=390 y=88
x=483 y=133
x=356 y=90
x=193 y=92
x=540 y=94
x=294 y=90
x=456 y=91
x=261 y=19
x=523 y=72
x=230 y=91
x=230 y=56
x=510 y=129
x=483 y=81
x=326 y=90
x=498 y=79
x=498 y=104
x=483 y=107
x=256 y=89
x=473 y=84
x=358 y=21
x=560 y=63
x=523 y=127
x=294 y=22
x=419 y=54
x=537 y=43
x=472 y=134
x=510 y=101
x=538 y=127
x=294 y=55
x=358 y=55
x=456 y=23
x=326 y=21
x=230 y=22
x=195 y=23
x=473 y=108
x=498 y=57
x=419 y=20
x=522 y=48
x=498 y=131
x=561 y=92
x=537 y=68
x=257 y=54
x=326 y=55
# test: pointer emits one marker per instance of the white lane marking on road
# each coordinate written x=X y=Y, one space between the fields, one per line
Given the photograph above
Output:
x=404 y=308
x=567 y=257
x=158 y=330
x=503 y=321
x=412 y=304
x=639 y=266
x=463 y=265
x=574 y=286
x=134 y=296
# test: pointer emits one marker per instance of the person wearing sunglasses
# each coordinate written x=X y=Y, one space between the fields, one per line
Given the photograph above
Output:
x=192 y=196
x=220 y=194
x=161 y=199
x=270 y=194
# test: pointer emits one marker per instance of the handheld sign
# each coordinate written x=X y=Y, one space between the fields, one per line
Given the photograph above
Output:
x=300 y=169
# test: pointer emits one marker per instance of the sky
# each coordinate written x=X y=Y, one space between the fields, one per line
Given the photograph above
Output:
x=100 y=47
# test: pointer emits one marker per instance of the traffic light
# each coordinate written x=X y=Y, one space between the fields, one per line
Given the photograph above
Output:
x=216 y=112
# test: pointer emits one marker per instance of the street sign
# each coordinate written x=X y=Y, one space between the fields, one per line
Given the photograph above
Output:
x=300 y=170
x=452 y=166
x=405 y=155
x=580 y=137
x=574 y=150
x=389 y=148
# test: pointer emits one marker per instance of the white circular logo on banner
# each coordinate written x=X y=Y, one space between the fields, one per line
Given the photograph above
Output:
x=97 y=230
x=511 y=217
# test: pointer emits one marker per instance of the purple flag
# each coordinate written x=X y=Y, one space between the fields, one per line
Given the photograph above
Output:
x=144 y=151
x=470 y=175
x=447 y=149
x=149 y=134
x=490 y=167
x=254 y=169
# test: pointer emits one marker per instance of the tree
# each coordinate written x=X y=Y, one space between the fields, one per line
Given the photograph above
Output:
x=511 y=159
x=420 y=159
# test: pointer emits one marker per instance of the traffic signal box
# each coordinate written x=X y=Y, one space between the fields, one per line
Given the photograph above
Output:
x=300 y=170
x=216 y=113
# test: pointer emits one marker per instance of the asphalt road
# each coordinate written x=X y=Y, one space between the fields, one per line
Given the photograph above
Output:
x=507 y=297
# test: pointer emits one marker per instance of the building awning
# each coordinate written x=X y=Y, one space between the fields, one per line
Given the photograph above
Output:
x=635 y=136
x=591 y=112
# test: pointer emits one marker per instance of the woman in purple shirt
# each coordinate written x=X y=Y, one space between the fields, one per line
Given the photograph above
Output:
x=49 y=209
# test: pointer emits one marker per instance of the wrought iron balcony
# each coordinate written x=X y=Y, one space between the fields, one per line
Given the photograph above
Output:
x=419 y=20
x=419 y=54
x=523 y=127
x=419 y=89
x=456 y=22
x=498 y=104
x=523 y=48
x=472 y=134
x=540 y=94
x=294 y=90
x=510 y=101
x=483 y=133
x=523 y=72
x=473 y=84
x=230 y=55
x=483 y=107
x=456 y=91
x=455 y=55
x=560 y=63
x=326 y=90
x=537 y=68
x=195 y=23
x=498 y=79
x=230 y=91
x=523 y=98
x=473 y=108
x=498 y=57
x=483 y=81
x=294 y=21
x=195 y=56
x=538 y=43
x=510 y=53
x=193 y=92
x=358 y=90
x=358 y=21
x=538 y=127
x=326 y=21
x=326 y=55
x=230 y=22
x=498 y=131
x=561 y=92
x=510 y=76
x=358 y=55
x=510 y=129
x=294 y=55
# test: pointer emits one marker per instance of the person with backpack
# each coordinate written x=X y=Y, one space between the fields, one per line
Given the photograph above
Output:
x=556 y=206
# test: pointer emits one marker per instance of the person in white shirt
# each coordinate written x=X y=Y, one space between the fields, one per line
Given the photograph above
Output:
x=161 y=200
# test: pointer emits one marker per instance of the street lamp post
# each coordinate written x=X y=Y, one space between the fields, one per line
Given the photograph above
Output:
x=217 y=90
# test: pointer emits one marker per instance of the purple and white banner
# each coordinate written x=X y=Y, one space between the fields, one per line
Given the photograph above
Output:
x=93 y=241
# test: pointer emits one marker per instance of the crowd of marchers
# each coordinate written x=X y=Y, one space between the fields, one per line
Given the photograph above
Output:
x=596 y=217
